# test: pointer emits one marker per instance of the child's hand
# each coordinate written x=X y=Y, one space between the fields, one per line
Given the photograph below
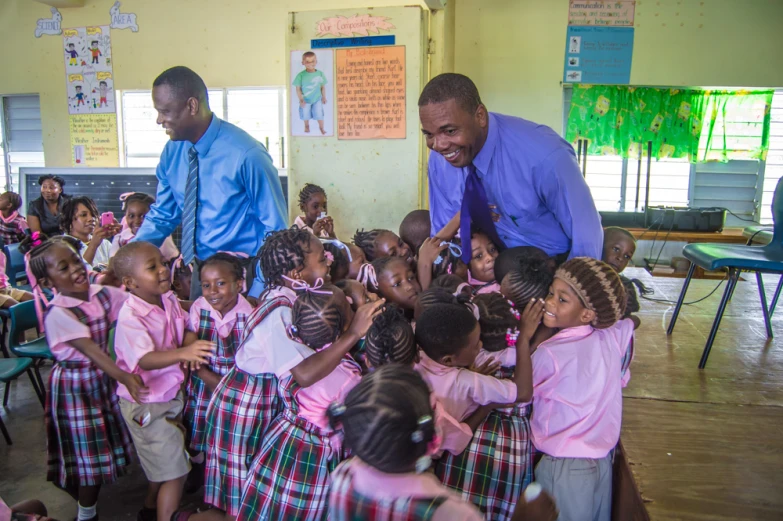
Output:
x=323 y=99
x=364 y=316
x=107 y=232
x=531 y=318
x=329 y=226
x=136 y=387
x=319 y=225
x=430 y=250
x=198 y=352
x=302 y=103
x=489 y=367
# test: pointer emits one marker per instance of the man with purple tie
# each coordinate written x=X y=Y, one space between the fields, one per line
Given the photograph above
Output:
x=526 y=172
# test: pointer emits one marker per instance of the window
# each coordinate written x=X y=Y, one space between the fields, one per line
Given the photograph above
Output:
x=22 y=139
x=773 y=170
x=258 y=111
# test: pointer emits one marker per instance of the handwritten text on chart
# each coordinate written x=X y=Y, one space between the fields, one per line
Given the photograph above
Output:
x=94 y=140
x=601 y=12
x=371 y=93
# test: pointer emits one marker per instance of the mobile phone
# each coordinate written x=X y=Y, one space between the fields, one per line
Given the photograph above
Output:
x=322 y=215
x=107 y=218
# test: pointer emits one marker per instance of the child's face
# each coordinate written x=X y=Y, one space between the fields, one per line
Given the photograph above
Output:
x=65 y=270
x=357 y=259
x=83 y=222
x=398 y=284
x=150 y=277
x=618 y=250
x=312 y=210
x=134 y=215
x=315 y=266
x=310 y=62
x=563 y=309
x=220 y=287
x=358 y=294
x=467 y=355
x=482 y=260
x=94 y=45
x=182 y=283
x=5 y=205
x=388 y=244
x=78 y=89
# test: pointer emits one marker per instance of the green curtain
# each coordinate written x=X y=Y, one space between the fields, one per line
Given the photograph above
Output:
x=699 y=125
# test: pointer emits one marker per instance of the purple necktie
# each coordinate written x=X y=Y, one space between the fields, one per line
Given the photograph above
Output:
x=475 y=207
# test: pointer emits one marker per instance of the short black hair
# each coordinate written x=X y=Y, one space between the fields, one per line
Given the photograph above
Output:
x=138 y=197
x=511 y=258
x=13 y=198
x=184 y=83
x=69 y=211
x=390 y=339
x=232 y=261
x=103 y=83
x=415 y=228
x=616 y=229
x=123 y=262
x=443 y=329
x=387 y=419
x=448 y=86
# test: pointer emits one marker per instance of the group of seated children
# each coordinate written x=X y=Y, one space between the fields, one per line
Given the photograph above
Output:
x=380 y=379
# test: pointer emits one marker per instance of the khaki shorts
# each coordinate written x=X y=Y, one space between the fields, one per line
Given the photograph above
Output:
x=160 y=441
x=9 y=292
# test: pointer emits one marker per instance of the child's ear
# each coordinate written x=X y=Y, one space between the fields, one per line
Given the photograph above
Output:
x=447 y=360
x=45 y=282
x=128 y=282
x=587 y=316
x=295 y=274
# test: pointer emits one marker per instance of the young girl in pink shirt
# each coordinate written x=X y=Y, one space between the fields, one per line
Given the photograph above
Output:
x=481 y=270
x=312 y=202
x=12 y=225
x=393 y=279
x=577 y=379
x=383 y=243
x=136 y=206
x=218 y=316
x=88 y=442
x=301 y=449
x=151 y=328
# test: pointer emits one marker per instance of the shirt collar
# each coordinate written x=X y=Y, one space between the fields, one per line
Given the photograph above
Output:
x=70 y=302
x=203 y=144
x=433 y=366
x=282 y=291
x=408 y=484
x=10 y=217
x=143 y=308
x=483 y=158
x=242 y=306
x=570 y=332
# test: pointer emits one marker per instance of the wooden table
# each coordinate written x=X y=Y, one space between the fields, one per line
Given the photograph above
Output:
x=727 y=236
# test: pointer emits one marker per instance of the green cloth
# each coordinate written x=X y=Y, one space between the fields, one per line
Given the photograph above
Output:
x=699 y=125
x=310 y=83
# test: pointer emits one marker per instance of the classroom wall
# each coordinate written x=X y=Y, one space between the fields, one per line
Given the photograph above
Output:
x=514 y=49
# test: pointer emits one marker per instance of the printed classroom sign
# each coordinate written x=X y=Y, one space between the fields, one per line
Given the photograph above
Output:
x=359 y=24
x=598 y=55
x=88 y=70
x=601 y=13
x=94 y=140
x=371 y=93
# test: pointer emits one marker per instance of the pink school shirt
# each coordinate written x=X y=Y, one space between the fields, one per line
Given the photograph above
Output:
x=268 y=348
x=461 y=391
x=299 y=221
x=62 y=326
x=3 y=276
x=143 y=328
x=223 y=324
x=577 y=391
x=372 y=483
x=454 y=435
x=168 y=249
x=16 y=219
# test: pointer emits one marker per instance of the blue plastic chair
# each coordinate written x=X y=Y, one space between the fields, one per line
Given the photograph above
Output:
x=11 y=369
x=737 y=258
x=14 y=265
x=23 y=318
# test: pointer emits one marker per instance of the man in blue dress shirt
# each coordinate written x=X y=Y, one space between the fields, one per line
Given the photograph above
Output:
x=213 y=178
x=529 y=173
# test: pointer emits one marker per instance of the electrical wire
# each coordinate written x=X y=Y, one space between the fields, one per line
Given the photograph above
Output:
x=737 y=216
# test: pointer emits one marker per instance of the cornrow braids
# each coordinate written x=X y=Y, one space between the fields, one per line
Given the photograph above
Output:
x=340 y=264
x=282 y=252
x=390 y=339
x=317 y=318
x=387 y=419
x=449 y=264
x=68 y=212
x=309 y=190
x=37 y=261
x=530 y=279
x=366 y=241
x=452 y=283
x=233 y=262
x=496 y=318
x=433 y=296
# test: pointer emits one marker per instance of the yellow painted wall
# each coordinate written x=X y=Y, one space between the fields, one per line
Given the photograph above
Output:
x=230 y=43
x=514 y=49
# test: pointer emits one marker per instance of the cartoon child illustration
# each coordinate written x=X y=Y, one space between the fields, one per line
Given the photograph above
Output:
x=95 y=51
x=71 y=50
x=103 y=87
x=311 y=89
x=79 y=96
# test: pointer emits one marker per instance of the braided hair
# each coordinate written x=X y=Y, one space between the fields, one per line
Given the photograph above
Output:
x=309 y=190
x=282 y=252
x=13 y=198
x=452 y=283
x=366 y=241
x=318 y=318
x=69 y=211
x=434 y=296
x=390 y=339
x=340 y=264
x=138 y=197
x=496 y=318
x=529 y=279
x=37 y=261
x=234 y=263
x=449 y=264
x=387 y=419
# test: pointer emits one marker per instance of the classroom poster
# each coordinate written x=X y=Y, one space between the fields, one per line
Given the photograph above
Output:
x=371 y=93
x=598 y=55
x=88 y=70
x=601 y=13
x=94 y=140
x=312 y=88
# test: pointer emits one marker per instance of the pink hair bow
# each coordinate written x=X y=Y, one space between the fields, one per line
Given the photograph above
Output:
x=367 y=276
x=175 y=265
x=124 y=196
x=301 y=285
x=329 y=257
x=36 y=240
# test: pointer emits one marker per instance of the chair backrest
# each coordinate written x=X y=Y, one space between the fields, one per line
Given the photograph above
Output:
x=23 y=317
x=777 y=215
x=14 y=265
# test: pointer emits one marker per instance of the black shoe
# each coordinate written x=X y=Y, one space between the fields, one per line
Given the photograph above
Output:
x=147 y=514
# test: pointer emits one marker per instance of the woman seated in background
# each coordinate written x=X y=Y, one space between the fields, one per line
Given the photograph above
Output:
x=43 y=213
x=79 y=218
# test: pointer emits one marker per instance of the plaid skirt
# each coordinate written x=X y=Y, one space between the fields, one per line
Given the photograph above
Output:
x=238 y=415
x=88 y=442
x=194 y=415
x=495 y=468
x=289 y=478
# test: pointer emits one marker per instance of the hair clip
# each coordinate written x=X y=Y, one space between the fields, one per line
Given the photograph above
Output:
x=514 y=310
x=36 y=239
x=461 y=288
x=329 y=257
x=301 y=285
x=511 y=337
x=423 y=464
x=340 y=245
x=337 y=409
x=125 y=196
x=454 y=249
x=418 y=435
x=367 y=276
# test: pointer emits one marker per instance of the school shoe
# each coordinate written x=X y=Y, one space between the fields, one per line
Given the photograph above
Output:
x=147 y=514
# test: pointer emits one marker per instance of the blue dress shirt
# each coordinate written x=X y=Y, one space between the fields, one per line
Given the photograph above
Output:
x=531 y=174
x=240 y=197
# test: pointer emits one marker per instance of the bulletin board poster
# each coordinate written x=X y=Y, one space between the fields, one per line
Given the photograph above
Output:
x=598 y=55
x=312 y=87
x=94 y=140
x=371 y=93
x=88 y=70
x=601 y=13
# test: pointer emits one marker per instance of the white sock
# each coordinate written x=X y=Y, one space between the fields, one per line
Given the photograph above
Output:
x=86 y=513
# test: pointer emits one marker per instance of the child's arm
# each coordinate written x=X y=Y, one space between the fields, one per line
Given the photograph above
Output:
x=523 y=373
x=196 y=352
x=133 y=382
x=428 y=252
x=300 y=95
x=479 y=415
x=636 y=321
x=323 y=94
x=450 y=230
x=211 y=379
x=321 y=364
